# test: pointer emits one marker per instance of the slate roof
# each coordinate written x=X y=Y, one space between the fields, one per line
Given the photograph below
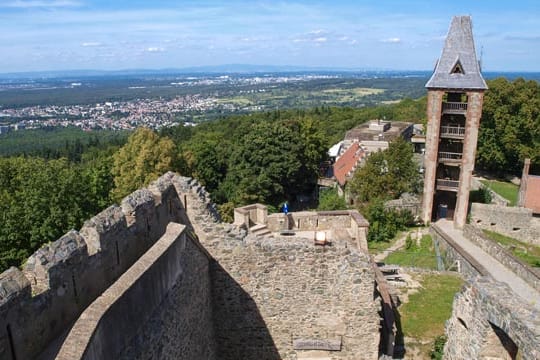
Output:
x=458 y=51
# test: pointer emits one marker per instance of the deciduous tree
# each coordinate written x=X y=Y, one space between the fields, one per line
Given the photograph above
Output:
x=144 y=158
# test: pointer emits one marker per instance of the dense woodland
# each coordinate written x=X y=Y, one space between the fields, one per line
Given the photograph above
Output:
x=49 y=186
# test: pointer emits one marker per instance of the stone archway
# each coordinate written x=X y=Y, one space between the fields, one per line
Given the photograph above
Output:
x=498 y=345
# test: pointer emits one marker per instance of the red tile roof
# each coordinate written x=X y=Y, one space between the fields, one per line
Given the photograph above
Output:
x=532 y=195
x=347 y=162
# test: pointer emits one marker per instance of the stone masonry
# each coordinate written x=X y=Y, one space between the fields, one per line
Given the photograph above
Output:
x=489 y=322
x=224 y=295
x=516 y=222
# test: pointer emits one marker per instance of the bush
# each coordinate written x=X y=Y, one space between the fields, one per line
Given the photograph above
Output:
x=226 y=212
x=385 y=223
x=438 y=348
x=410 y=244
x=330 y=200
x=482 y=195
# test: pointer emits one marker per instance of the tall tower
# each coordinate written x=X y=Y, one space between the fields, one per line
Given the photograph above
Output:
x=454 y=107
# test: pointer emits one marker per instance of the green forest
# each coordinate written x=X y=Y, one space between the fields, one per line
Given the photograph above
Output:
x=52 y=181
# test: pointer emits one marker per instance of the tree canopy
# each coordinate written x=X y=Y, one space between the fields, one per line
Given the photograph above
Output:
x=40 y=200
x=386 y=174
x=510 y=126
x=142 y=159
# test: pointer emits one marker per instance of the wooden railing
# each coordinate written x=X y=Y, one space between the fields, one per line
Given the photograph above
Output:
x=448 y=183
x=454 y=131
x=454 y=107
x=449 y=156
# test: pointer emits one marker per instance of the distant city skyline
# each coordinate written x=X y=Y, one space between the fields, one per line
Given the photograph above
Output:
x=53 y=35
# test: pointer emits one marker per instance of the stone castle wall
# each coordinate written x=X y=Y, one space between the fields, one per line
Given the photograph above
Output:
x=524 y=271
x=62 y=278
x=453 y=253
x=270 y=293
x=489 y=321
x=286 y=290
x=516 y=222
x=223 y=295
x=172 y=279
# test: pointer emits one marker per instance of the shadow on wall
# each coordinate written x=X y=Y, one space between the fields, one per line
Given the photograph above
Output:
x=241 y=332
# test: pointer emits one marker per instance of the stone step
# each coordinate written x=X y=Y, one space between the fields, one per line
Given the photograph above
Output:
x=259 y=230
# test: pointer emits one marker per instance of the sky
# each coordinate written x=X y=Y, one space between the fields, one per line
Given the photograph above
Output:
x=44 y=35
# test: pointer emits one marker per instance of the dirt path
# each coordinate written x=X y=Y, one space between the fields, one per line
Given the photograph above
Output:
x=400 y=243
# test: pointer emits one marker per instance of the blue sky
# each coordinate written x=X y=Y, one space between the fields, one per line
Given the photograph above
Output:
x=154 y=34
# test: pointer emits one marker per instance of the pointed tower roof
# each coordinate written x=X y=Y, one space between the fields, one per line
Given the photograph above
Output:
x=458 y=67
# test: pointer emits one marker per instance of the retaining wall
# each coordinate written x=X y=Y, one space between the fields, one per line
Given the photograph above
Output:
x=516 y=222
x=468 y=266
x=498 y=252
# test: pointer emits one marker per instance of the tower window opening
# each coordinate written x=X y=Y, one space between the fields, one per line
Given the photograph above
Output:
x=457 y=69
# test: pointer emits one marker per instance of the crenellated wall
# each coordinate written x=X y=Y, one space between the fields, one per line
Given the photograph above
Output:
x=206 y=290
x=62 y=278
x=172 y=279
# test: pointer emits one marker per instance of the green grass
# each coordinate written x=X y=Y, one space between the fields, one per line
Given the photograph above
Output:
x=376 y=247
x=528 y=253
x=417 y=256
x=428 y=309
x=507 y=190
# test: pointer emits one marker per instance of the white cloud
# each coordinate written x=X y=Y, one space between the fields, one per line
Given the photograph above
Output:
x=318 y=32
x=394 y=40
x=40 y=3
x=320 y=40
x=91 y=44
x=155 y=49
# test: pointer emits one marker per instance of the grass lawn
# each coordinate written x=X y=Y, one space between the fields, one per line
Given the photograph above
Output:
x=424 y=315
x=507 y=190
x=528 y=253
x=376 y=247
x=417 y=256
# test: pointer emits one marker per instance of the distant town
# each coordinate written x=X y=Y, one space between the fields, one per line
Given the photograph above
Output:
x=116 y=115
x=151 y=112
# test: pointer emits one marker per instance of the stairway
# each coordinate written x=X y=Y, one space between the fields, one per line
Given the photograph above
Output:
x=259 y=230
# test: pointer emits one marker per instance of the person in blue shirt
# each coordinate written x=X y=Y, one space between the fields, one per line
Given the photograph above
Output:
x=285 y=208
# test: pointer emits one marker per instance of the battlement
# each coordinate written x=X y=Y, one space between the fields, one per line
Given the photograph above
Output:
x=203 y=279
x=62 y=278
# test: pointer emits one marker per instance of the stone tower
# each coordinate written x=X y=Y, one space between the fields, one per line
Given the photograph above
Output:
x=454 y=107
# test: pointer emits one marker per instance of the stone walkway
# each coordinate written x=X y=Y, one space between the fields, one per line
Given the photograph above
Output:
x=497 y=271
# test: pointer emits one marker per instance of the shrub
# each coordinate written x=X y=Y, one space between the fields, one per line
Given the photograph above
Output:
x=438 y=348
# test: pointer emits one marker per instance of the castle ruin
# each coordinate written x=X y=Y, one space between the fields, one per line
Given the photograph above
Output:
x=159 y=277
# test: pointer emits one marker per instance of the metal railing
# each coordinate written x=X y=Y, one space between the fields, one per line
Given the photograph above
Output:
x=454 y=107
x=456 y=131
x=446 y=155
x=448 y=183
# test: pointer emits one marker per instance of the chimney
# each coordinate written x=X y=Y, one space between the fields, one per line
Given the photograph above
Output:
x=523 y=183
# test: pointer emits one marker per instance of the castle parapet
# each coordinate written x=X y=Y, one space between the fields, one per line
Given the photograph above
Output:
x=62 y=278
